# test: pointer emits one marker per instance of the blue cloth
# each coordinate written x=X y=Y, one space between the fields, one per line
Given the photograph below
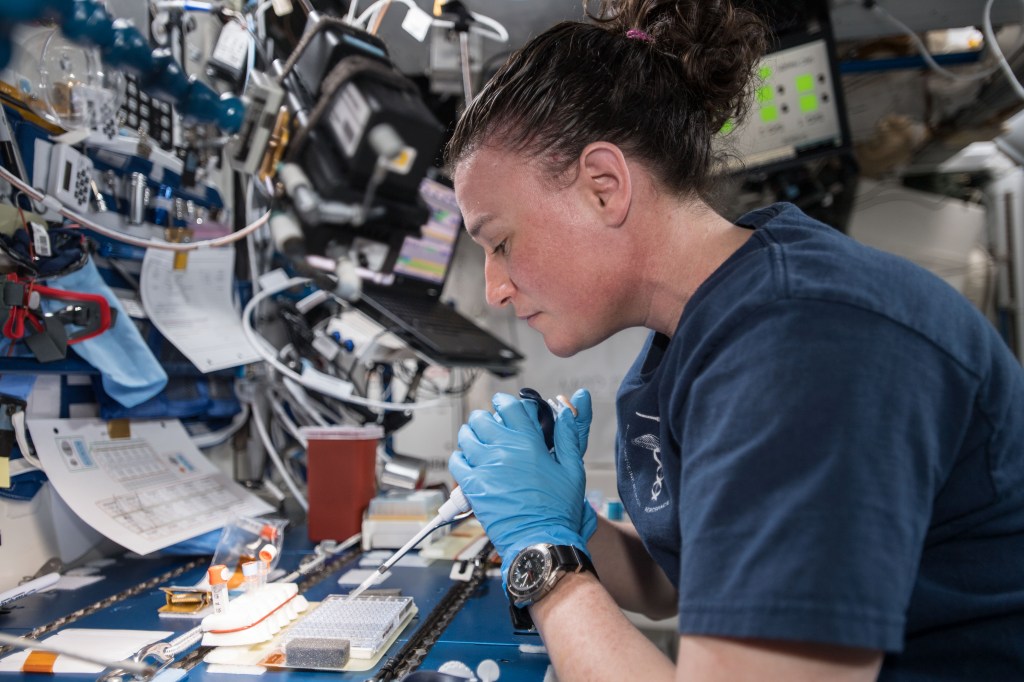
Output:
x=129 y=371
x=830 y=448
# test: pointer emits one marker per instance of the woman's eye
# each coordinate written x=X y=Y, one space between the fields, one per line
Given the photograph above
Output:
x=501 y=248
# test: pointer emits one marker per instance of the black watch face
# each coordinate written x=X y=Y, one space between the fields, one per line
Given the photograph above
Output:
x=529 y=571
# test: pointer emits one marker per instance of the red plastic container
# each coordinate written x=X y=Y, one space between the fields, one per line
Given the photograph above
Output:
x=341 y=469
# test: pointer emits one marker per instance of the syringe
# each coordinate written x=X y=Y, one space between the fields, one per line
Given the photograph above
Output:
x=457 y=502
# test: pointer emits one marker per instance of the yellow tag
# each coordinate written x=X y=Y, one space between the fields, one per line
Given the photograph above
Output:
x=180 y=260
x=5 y=472
x=402 y=163
x=119 y=428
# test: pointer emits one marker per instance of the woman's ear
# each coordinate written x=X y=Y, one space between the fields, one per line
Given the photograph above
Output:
x=605 y=180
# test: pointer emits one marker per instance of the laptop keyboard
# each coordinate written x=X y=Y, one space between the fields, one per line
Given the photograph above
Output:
x=441 y=327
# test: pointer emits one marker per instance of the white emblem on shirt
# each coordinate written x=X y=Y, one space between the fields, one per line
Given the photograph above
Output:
x=652 y=443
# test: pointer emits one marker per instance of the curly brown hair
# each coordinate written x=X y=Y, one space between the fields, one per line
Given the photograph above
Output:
x=658 y=78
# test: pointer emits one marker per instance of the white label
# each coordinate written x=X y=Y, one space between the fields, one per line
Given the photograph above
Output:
x=232 y=46
x=41 y=240
x=417 y=23
x=327 y=347
x=348 y=118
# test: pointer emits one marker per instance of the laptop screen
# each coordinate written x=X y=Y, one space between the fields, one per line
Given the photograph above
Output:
x=426 y=257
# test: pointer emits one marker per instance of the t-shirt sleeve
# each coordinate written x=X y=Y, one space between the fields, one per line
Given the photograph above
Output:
x=813 y=448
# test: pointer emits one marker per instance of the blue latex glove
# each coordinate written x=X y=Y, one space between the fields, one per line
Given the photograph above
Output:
x=520 y=492
x=130 y=372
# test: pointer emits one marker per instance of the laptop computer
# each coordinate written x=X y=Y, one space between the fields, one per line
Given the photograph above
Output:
x=411 y=306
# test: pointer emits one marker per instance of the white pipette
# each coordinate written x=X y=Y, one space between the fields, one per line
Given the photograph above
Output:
x=456 y=504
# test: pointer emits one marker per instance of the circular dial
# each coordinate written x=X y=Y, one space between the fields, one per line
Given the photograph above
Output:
x=529 y=571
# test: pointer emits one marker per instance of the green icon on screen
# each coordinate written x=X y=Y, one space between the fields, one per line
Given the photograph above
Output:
x=804 y=83
x=808 y=103
x=769 y=114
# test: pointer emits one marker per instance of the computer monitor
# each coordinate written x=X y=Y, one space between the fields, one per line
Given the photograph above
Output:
x=798 y=112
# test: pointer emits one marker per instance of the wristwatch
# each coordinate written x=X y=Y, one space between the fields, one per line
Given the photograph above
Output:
x=535 y=571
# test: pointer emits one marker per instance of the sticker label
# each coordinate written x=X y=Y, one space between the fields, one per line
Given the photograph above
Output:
x=41 y=240
x=348 y=118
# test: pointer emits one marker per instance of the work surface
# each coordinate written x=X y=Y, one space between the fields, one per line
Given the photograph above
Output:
x=457 y=624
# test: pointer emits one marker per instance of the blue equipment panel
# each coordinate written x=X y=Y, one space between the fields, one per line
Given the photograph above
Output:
x=480 y=630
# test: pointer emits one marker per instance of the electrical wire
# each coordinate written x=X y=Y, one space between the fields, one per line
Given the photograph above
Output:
x=303 y=401
x=21 y=435
x=318 y=381
x=497 y=32
x=350 y=15
x=290 y=426
x=379 y=16
x=214 y=438
x=75 y=217
x=990 y=40
x=275 y=457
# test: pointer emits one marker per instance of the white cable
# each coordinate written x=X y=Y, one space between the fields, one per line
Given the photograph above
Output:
x=74 y=216
x=341 y=390
x=467 y=72
x=371 y=11
x=990 y=40
x=923 y=49
x=209 y=440
x=303 y=400
x=261 y=18
x=261 y=428
x=184 y=641
x=20 y=434
x=250 y=242
x=289 y=425
x=500 y=34
x=274 y=490
x=497 y=31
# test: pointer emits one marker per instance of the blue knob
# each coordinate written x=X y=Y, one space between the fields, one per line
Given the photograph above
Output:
x=129 y=49
x=232 y=113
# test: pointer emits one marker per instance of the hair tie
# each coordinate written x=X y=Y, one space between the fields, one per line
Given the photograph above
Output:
x=637 y=34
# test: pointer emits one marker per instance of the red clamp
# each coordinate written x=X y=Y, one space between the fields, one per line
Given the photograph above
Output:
x=22 y=300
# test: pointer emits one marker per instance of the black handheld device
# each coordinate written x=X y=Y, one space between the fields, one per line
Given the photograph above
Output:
x=545 y=415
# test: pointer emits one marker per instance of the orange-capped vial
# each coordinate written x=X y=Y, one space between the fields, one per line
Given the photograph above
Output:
x=268 y=532
x=218 y=575
x=266 y=556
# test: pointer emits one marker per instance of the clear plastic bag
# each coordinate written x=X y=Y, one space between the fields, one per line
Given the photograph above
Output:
x=242 y=540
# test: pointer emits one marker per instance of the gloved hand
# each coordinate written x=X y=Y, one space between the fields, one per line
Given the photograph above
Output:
x=520 y=492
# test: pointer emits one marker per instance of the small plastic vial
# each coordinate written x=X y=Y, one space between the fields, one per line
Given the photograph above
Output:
x=218 y=575
x=266 y=557
x=251 y=576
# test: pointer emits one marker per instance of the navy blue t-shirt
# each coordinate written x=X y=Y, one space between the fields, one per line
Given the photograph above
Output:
x=830 y=448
